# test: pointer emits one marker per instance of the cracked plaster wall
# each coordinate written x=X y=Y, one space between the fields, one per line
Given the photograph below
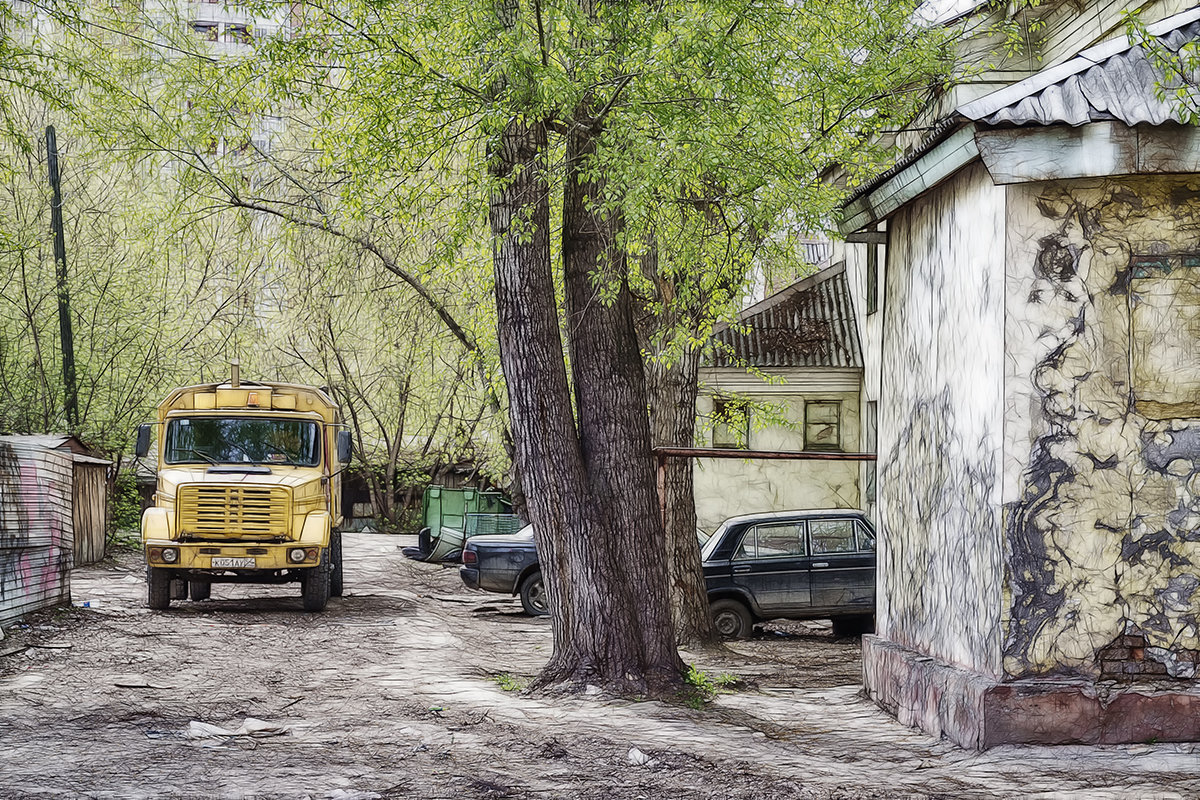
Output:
x=940 y=423
x=1102 y=427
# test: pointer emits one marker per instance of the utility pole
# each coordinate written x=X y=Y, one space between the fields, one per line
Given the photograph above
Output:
x=66 y=338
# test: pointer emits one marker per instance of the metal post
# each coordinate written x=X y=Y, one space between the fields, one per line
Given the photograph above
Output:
x=66 y=338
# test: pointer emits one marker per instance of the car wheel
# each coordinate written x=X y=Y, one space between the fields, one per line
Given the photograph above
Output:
x=853 y=626
x=731 y=619
x=335 y=559
x=199 y=590
x=533 y=596
x=314 y=588
x=158 y=588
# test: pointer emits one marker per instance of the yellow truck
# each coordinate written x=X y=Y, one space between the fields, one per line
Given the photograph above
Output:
x=248 y=491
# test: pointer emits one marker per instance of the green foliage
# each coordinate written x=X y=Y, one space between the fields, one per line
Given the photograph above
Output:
x=125 y=504
x=701 y=688
x=509 y=682
x=1177 y=84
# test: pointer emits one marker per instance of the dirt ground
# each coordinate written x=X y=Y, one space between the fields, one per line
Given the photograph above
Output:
x=409 y=687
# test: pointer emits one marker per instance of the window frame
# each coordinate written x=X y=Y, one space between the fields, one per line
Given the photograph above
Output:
x=813 y=404
x=721 y=422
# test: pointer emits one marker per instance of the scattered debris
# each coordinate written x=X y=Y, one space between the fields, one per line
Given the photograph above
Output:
x=640 y=759
x=138 y=682
x=256 y=728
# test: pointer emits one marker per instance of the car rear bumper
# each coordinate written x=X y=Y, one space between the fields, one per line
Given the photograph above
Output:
x=470 y=576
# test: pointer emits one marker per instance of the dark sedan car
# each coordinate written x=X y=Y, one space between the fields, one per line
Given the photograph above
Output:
x=791 y=565
x=507 y=564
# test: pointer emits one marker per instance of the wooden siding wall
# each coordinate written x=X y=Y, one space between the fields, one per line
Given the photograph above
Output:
x=36 y=529
x=90 y=512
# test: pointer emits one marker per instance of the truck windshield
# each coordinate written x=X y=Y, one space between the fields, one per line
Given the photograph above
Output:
x=239 y=440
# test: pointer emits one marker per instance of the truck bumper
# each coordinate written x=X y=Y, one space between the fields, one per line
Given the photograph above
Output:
x=220 y=557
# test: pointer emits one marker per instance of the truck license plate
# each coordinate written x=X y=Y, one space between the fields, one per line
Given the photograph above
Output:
x=232 y=563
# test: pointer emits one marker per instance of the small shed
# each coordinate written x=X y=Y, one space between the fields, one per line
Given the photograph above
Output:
x=53 y=507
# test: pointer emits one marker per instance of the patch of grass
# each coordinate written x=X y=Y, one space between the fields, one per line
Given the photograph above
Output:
x=509 y=682
x=702 y=687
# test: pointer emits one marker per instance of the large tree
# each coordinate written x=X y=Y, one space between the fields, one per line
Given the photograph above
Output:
x=590 y=140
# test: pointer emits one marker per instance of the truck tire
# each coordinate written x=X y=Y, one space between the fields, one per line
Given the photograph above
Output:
x=158 y=588
x=533 y=596
x=314 y=587
x=199 y=590
x=335 y=561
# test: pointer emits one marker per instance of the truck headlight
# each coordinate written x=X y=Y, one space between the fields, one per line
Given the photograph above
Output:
x=170 y=555
x=297 y=555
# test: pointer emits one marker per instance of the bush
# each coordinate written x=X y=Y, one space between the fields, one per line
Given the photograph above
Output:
x=125 y=504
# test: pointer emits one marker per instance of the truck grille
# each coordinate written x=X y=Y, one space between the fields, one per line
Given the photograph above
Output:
x=234 y=512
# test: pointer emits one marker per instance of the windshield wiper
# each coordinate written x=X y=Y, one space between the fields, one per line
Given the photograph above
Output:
x=207 y=458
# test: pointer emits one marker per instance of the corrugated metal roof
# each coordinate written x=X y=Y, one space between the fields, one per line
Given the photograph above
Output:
x=808 y=324
x=65 y=442
x=1113 y=81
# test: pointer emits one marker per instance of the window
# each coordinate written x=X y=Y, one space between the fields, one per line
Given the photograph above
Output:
x=772 y=541
x=1164 y=312
x=238 y=440
x=872 y=278
x=238 y=34
x=731 y=423
x=872 y=445
x=866 y=542
x=832 y=536
x=822 y=426
x=205 y=30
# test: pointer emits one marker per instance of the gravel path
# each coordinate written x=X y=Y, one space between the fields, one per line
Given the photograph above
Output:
x=408 y=687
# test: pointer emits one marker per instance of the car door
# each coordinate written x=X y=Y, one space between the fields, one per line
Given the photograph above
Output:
x=770 y=564
x=843 y=566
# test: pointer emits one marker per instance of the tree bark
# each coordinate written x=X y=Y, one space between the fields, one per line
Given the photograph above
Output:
x=612 y=404
x=673 y=388
x=590 y=490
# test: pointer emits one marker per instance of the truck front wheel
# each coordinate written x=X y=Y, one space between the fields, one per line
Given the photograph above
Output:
x=158 y=586
x=314 y=587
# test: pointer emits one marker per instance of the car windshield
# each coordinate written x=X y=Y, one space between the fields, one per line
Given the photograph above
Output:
x=242 y=440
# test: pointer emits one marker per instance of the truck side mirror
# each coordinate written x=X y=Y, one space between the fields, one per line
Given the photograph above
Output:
x=343 y=446
x=143 y=441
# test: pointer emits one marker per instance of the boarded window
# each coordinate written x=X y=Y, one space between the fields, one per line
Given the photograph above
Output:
x=731 y=423
x=1164 y=312
x=822 y=426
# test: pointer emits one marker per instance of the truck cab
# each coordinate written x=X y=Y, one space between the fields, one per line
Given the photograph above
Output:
x=248 y=491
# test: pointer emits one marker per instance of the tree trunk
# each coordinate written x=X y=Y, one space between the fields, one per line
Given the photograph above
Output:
x=590 y=491
x=612 y=406
x=673 y=388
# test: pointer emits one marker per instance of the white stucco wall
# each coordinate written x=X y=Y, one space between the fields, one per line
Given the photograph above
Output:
x=940 y=423
x=728 y=487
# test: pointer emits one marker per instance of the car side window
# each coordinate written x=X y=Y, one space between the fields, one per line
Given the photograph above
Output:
x=773 y=540
x=866 y=541
x=832 y=536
